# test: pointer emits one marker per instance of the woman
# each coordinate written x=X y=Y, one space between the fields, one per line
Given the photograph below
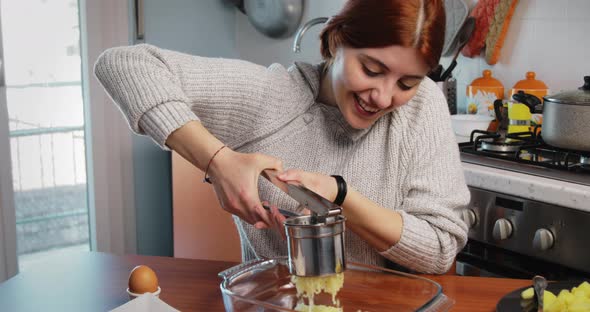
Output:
x=368 y=113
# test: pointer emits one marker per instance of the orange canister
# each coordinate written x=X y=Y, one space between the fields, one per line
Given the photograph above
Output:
x=482 y=92
x=531 y=85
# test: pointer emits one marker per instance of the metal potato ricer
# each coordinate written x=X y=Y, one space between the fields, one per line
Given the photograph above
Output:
x=315 y=241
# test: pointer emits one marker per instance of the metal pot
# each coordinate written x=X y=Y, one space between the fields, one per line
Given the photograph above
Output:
x=273 y=18
x=566 y=116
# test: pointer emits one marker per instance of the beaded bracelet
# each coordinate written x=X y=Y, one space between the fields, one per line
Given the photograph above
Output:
x=208 y=179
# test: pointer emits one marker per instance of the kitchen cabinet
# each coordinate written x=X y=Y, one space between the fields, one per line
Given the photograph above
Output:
x=186 y=216
x=202 y=230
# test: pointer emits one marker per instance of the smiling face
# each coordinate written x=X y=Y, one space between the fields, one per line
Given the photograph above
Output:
x=369 y=83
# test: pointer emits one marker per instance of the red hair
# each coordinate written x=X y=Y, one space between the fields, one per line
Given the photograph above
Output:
x=378 y=23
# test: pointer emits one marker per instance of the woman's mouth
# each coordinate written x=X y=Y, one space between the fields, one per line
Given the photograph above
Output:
x=363 y=108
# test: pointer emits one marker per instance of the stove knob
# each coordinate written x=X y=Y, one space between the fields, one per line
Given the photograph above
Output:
x=469 y=217
x=544 y=240
x=502 y=229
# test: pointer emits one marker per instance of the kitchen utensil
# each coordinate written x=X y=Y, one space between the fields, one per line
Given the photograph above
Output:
x=435 y=73
x=266 y=285
x=566 y=116
x=451 y=94
x=316 y=249
x=464 y=35
x=315 y=242
x=306 y=197
x=464 y=124
x=286 y=213
x=289 y=214
x=273 y=18
x=449 y=89
x=539 y=284
x=482 y=92
x=456 y=12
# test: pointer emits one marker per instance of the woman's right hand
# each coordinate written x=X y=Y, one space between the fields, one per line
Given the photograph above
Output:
x=235 y=179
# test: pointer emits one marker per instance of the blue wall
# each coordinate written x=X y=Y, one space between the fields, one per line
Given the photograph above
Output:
x=205 y=28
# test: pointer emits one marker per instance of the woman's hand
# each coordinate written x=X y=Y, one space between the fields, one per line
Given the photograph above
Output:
x=277 y=218
x=235 y=180
x=322 y=184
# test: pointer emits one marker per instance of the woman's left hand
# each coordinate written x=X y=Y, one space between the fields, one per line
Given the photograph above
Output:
x=322 y=184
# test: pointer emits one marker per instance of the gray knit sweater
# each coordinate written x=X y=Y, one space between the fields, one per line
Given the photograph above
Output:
x=407 y=161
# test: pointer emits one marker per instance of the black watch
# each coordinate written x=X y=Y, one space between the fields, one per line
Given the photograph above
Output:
x=342 y=190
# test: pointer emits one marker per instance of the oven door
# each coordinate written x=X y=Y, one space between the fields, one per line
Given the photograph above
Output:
x=479 y=259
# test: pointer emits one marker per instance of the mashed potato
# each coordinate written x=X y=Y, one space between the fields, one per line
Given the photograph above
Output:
x=308 y=287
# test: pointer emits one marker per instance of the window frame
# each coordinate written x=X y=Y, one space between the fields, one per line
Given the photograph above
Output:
x=109 y=147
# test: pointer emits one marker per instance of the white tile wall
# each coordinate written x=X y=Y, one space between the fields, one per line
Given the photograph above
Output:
x=578 y=9
x=550 y=37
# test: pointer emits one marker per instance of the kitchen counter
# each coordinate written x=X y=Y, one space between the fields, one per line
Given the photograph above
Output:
x=92 y=281
x=528 y=186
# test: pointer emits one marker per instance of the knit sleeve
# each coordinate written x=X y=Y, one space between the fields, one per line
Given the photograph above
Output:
x=435 y=189
x=158 y=91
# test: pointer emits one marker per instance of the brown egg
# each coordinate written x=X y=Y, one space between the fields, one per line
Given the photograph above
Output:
x=143 y=279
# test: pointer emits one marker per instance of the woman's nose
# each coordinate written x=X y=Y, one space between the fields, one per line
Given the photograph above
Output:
x=382 y=97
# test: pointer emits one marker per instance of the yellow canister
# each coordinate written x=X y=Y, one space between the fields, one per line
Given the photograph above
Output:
x=516 y=111
x=482 y=92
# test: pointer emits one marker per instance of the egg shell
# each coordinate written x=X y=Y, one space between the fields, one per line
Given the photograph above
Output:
x=143 y=279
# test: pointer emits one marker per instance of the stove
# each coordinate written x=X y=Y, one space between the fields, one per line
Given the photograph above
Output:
x=526 y=152
x=511 y=235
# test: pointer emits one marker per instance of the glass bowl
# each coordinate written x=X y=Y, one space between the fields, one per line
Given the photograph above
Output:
x=265 y=285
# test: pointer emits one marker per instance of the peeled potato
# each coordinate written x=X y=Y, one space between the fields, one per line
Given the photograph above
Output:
x=579 y=304
x=548 y=298
x=565 y=296
x=553 y=306
x=528 y=293
x=585 y=288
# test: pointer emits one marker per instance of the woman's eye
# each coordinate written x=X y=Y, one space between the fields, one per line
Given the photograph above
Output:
x=404 y=86
x=369 y=72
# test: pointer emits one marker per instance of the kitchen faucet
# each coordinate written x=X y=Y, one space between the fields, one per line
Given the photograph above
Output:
x=303 y=29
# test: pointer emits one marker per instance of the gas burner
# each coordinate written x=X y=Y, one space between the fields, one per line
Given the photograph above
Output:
x=501 y=145
x=526 y=152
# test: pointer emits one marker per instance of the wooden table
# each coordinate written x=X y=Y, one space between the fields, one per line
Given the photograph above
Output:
x=92 y=281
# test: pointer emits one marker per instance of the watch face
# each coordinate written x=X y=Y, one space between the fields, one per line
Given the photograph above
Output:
x=276 y=19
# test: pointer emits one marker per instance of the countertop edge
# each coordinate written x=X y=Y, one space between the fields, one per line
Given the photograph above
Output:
x=537 y=188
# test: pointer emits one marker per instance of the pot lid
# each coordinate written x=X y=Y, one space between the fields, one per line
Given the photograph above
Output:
x=581 y=96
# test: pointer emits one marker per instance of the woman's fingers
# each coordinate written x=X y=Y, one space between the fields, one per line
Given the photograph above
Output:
x=291 y=175
x=265 y=216
x=236 y=185
x=264 y=162
x=260 y=214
